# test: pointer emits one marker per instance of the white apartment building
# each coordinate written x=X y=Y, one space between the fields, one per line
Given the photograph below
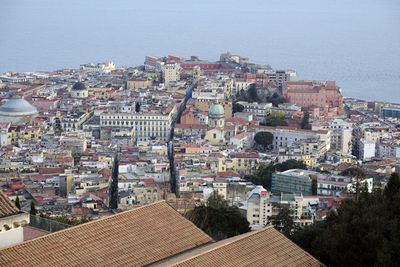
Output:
x=366 y=149
x=261 y=205
x=373 y=131
x=341 y=133
x=171 y=74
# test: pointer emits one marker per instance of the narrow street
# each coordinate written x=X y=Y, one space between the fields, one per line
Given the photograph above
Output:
x=171 y=155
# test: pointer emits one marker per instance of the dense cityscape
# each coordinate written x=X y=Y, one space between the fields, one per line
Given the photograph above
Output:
x=82 y=146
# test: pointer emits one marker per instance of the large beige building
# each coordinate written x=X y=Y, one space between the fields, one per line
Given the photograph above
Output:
x=146 y=126
x=171 y=74
x=138 y=83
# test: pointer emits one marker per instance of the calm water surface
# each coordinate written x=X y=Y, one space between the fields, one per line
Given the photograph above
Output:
x=356 y=43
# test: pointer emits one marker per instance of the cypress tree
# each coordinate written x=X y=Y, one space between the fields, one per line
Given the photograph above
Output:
x=33 y=209
x=17 y=204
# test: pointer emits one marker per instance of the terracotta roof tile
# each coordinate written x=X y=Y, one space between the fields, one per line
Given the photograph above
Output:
x=266 y=247
x=133 y=238
x=7 y=207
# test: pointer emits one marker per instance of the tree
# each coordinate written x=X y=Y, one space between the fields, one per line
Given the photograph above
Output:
x=305 y=120
x=236 y=107
x=17 y=204
x=392 y=188
x=33 y=210
x=262 y=176
x=264 y=138
x=252 y=93
x=357 y=173
x=283 y=221
x=137 y=107
x=368 y=226
x=354 y=172
x=276 y=99
x=217 y=219
x=290 y=164
x=216 y=201
x=276 y=118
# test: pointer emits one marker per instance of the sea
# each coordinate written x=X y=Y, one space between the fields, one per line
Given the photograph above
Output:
x=354 y=42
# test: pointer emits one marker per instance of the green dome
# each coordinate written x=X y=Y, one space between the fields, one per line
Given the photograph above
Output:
x=216 y=110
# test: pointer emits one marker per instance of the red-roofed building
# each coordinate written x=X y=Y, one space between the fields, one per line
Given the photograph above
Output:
x=51 y=170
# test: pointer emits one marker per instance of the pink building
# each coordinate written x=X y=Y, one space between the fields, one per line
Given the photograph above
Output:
x=321 y=98
x=175 y=59
x=189 y=118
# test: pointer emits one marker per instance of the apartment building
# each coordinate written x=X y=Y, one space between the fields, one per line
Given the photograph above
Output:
x=340 y=131
x=280 y=77
x=332 y=185
x=365 y=136
x=261 y=205
x=388 y=150
x=72 y=120
x=171 y=74
x=366 y=149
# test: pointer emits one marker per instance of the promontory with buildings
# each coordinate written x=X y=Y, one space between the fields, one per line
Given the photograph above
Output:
x=111 y=148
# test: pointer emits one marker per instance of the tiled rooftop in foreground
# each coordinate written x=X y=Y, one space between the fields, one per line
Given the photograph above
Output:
x=133 y=238
x=265 y=247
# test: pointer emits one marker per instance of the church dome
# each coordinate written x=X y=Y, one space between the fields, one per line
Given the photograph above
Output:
x=17 y=106
x=216 y=110
x=79 y=86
